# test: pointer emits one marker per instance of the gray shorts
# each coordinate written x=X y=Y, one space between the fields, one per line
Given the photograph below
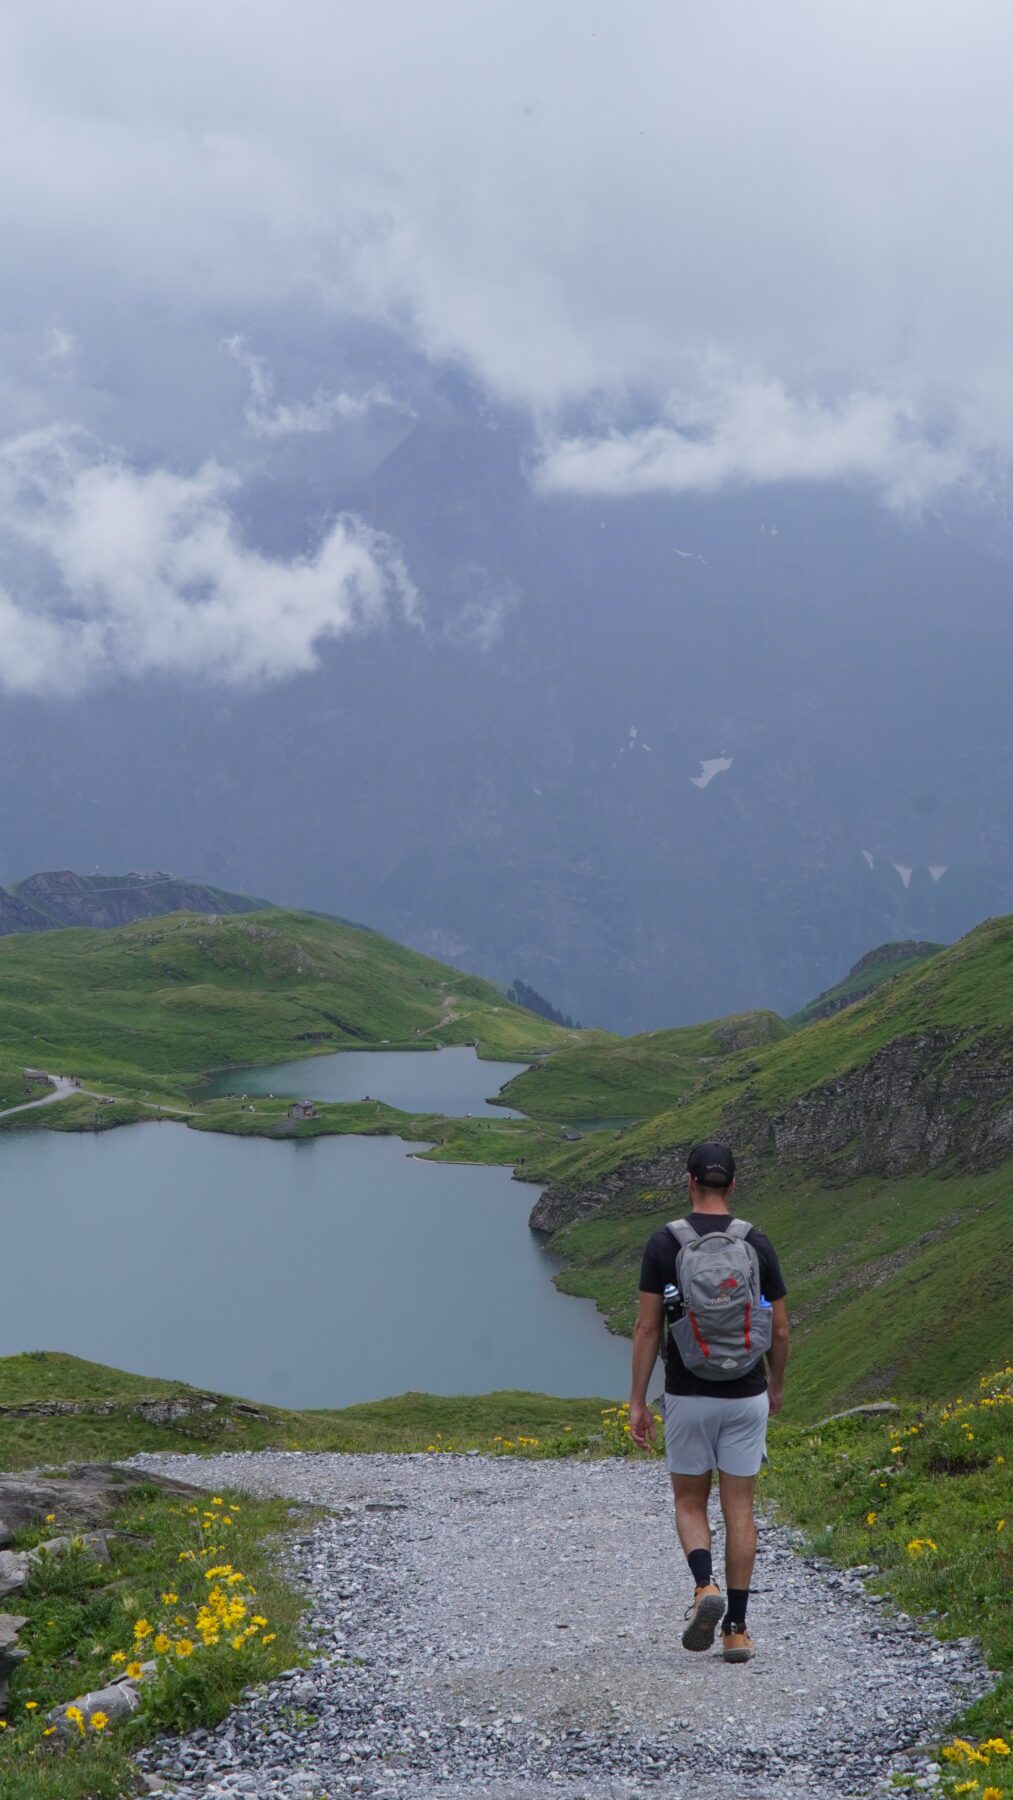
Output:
x=704 y=1431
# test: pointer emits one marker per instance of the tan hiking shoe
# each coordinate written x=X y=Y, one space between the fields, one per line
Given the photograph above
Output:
x=703 y=1616
x=737 y=1646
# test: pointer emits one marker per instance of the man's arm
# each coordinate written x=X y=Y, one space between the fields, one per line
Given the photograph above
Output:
x=777 y=1355
x=646 y=1347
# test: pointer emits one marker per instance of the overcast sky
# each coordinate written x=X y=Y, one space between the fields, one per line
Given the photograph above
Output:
x=703 y=242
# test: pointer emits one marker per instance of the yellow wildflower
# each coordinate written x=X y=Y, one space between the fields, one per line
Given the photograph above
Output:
x=118 y=1656
x=30 y=1705
x=47 y=1733
x=991 y=1793
x=870 y=1518
x=1001 y=1525
x=170 y=1599
x=918 y=1545
x=50 y=1518
x=996 y=1746
x=141 y=1629
x=258 y=1621
x=99 y=1721
x=269 y=1638
x=965 y=1787
x=218 y=1501
x=162 y=1644
x=135 y=1671
x=184 y=1647
x=76 y=1717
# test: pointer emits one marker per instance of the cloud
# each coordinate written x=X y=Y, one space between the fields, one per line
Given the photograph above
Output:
x=121 y=572
x=587 y=205
x=61 y=345
x=748 y=431
x=479 y=621
x=267 y=418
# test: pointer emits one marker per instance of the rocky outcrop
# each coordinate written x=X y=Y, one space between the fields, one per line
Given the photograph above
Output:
x=157 y=1410
x=917 y=1103
x=558 y=1205
x=923 y=1101
x=85 y=1495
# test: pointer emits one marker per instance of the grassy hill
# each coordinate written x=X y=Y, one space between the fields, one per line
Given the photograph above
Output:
x=876 y=1146
x=637 y=1077
x=865 y=977
x=157 y=1004
x=59 y=897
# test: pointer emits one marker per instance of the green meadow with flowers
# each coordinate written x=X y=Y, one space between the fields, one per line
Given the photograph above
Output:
x=920 y=1498
x=192 y=1610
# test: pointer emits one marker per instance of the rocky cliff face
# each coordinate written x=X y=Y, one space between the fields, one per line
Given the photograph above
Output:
x=918 y=1103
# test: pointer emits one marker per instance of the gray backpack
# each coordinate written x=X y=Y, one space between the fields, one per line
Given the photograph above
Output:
x=724 y=1329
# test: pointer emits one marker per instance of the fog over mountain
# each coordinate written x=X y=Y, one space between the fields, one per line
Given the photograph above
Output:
x=539 y=486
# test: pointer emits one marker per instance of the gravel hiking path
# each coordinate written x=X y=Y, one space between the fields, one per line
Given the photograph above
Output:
x=495 y=1627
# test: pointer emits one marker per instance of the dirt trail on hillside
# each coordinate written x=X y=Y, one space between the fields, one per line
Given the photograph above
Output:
x=518 y=1627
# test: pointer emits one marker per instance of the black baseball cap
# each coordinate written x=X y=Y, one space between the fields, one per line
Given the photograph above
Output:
x=712 y=1164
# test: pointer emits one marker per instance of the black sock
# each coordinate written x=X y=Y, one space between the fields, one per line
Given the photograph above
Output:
x=735 y=1617
x=701 y=1567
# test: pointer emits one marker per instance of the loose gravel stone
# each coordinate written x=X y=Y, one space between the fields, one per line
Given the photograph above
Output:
x=494 y=1629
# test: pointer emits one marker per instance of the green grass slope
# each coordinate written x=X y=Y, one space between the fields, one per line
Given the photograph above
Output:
x=58 y=1408
x=158 y=1003
x=894 y=1287
x=636 y=1077
x=965 y=991
x=869 y=973
x=898 y=1281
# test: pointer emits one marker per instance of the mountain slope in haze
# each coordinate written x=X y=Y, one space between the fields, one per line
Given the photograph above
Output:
x=875 y=1146
x=59 y=897
x=661 y=758
x=170 y=999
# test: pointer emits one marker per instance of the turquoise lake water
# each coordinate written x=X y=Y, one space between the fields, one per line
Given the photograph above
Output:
x=454 y=1081
x=307 y=1274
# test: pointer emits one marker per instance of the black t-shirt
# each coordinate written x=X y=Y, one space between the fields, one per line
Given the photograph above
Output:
x=658 y=1269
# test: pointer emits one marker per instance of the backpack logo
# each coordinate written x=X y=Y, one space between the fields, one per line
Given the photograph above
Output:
x=731 y=1282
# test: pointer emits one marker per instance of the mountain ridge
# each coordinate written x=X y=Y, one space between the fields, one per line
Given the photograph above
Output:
x=56 y=898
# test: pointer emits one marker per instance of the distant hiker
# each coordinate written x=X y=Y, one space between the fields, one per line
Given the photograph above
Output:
x=719 y=1282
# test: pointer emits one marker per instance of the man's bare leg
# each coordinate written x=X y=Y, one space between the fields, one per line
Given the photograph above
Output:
x=691 y=1494
x=693 y=1526
x=740 y=1528
x=740 y=1555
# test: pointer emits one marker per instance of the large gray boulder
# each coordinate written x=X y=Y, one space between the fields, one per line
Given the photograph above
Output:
x=15 y=1569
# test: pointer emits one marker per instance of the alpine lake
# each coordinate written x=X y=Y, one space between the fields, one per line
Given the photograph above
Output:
x=307 y=1273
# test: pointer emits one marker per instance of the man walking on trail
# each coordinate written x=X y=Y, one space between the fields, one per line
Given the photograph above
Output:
x=719 y=1282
